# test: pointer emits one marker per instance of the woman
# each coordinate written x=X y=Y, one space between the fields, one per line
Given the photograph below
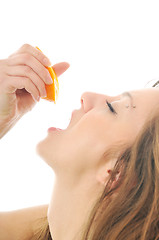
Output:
x=106 y=163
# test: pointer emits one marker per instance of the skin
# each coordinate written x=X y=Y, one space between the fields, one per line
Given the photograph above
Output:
x=23 y=76
x=75 y=154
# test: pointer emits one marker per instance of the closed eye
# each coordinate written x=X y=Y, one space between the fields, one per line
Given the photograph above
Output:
x=110 y=107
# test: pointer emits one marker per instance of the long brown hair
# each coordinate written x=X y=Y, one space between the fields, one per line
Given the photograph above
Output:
x=42 y=231
x=130 y=210
x=133 y=212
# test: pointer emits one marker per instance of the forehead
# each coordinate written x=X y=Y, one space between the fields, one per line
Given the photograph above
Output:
x=146 y=100
x=146 y=94
x=147 y=104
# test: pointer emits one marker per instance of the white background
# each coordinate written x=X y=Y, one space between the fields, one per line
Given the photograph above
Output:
x=112 y=46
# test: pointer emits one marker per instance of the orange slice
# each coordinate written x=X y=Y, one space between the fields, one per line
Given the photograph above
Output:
x=52 y=90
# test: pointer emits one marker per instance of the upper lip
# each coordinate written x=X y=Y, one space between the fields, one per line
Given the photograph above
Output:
x=76 y=115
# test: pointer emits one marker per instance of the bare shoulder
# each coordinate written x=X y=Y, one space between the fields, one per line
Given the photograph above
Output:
x=20 y=224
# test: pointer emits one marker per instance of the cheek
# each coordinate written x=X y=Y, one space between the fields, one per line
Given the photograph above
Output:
x=85 y=145
x=80 y=150
x=126 y=130
x=81 y=146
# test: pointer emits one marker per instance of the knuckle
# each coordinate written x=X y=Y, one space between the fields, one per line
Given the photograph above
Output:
x=27 y=70
x=25 y=80
x=25 y=46
x=20 y=80
x=38 y=54
x=27 y=57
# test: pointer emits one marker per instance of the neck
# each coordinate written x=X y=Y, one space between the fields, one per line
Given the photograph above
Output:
x=70 y=207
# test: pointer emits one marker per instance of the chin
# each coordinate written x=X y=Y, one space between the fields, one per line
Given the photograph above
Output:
x=45 y=151
x=41 y=150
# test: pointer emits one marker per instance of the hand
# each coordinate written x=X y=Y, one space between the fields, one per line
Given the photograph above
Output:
x=22 y=81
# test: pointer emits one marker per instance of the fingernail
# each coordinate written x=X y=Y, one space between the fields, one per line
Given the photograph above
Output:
x=47 y=62
x=49 y=79
x=44 y=94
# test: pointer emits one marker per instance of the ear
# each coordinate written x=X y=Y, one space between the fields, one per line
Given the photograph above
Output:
x=103 y=176
x=104 y=172
x=115 y=180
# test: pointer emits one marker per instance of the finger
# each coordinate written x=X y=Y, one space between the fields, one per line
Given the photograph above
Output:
x=12 y=83
x=60 y=68
x=33 y=63
x=26 y=48
x=25 y=71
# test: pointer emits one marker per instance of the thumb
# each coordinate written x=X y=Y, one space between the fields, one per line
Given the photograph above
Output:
x=60 y=68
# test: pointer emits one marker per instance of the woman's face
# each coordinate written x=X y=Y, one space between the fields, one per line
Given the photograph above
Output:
x=95 y=127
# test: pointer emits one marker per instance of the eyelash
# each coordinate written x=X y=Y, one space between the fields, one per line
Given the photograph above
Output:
x=110 y=107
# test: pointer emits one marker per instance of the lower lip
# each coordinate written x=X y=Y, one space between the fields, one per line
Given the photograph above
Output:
x=54 y=129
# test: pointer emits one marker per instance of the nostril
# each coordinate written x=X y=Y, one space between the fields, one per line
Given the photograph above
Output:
x=82 y=104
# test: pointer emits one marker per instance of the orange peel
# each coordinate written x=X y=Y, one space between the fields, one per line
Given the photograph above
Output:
x=52 y=90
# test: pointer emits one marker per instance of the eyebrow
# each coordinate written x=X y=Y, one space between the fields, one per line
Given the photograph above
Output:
x=128 y=94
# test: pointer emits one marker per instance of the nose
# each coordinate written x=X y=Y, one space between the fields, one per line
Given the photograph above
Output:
x=91 y=100
x=87 y=101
